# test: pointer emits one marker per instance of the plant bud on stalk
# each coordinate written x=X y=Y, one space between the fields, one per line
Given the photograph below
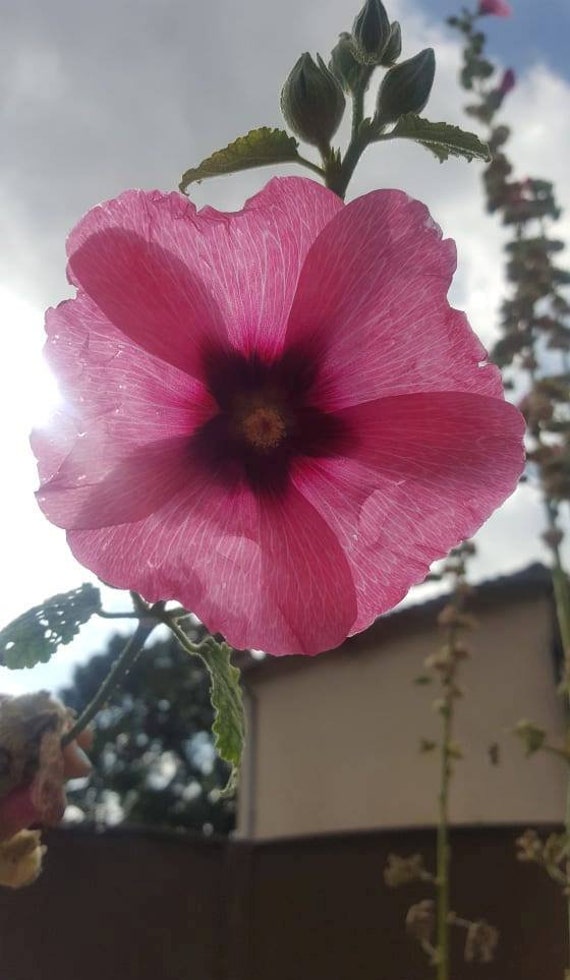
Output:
x=312 y=101
x=371 y=32
x=406 y=87
x=393 y=49
x=343 y=64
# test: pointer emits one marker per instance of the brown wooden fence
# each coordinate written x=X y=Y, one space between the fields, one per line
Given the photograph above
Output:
x=136 y=906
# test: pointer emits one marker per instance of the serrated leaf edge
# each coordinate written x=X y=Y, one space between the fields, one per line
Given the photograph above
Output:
x=214 y=166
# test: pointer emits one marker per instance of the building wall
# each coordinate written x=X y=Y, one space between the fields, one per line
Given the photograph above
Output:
x=334 y=740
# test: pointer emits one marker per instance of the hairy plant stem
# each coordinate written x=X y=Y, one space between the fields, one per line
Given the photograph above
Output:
x=337 y=179
x=310 y=165
x=455 y=624
x=119 y=670
x=170 y=620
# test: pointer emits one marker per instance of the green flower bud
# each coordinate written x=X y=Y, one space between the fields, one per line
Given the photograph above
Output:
x=344 y=65
x=312 y=101
x=393 y=49
x=406 y=87
x=371 y=32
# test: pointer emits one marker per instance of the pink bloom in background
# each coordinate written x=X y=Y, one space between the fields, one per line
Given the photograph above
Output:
x=500 y=8
x=273 y=416
x=507 y=83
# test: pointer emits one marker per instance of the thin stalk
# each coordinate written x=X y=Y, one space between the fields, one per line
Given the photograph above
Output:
x=181 y=636
x=442 y=863
x=119 y=670
x=310 y=165
x=562 y=604
x=117 y=615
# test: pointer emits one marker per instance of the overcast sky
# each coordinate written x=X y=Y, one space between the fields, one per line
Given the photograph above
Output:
x=95 y=98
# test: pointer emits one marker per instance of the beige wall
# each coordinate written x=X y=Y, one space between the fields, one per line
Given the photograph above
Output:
x=334 y=741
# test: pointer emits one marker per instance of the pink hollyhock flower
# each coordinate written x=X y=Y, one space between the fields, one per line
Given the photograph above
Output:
x=500 y=8
x=273 y=416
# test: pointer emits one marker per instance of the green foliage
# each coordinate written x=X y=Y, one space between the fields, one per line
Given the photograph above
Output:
x=227 y=701
x=441 y=138
x=35 y=636
x=154 y=758
x=259 y=148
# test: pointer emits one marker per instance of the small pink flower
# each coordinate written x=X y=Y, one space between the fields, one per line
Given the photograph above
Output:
x=273 y=416
x=500 y=8
x=507 y=83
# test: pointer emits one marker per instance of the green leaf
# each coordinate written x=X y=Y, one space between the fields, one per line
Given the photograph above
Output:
x=227 y=702
x=34 y=636
x=441 y=138
x=258 y=148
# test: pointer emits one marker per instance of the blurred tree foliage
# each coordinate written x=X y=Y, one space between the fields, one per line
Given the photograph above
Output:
x=153 y=756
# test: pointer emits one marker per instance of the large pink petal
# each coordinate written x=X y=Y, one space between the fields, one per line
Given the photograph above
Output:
x=102 y=373
x=175 y=280
x=91 y=491
x=426 y=472
x=113 y=451
x=265 y=573
x=373 y=297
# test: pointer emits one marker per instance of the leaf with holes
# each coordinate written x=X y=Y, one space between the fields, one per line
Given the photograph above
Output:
x=34 y=636
x=442 y=139
x=259 y=148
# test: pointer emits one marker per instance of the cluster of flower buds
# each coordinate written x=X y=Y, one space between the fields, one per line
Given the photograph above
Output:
x=456 y=622
x=313 y=99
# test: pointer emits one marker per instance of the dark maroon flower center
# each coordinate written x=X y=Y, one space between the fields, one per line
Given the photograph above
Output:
x=267 y=417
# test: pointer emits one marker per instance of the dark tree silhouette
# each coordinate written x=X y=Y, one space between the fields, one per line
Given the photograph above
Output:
x=154 y=760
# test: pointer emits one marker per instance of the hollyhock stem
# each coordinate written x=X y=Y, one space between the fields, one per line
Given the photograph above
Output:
x=120 y=669
x=337 y=178
x=358 y=103
x=442 y=874
x=453 y=617
x=562 y=601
